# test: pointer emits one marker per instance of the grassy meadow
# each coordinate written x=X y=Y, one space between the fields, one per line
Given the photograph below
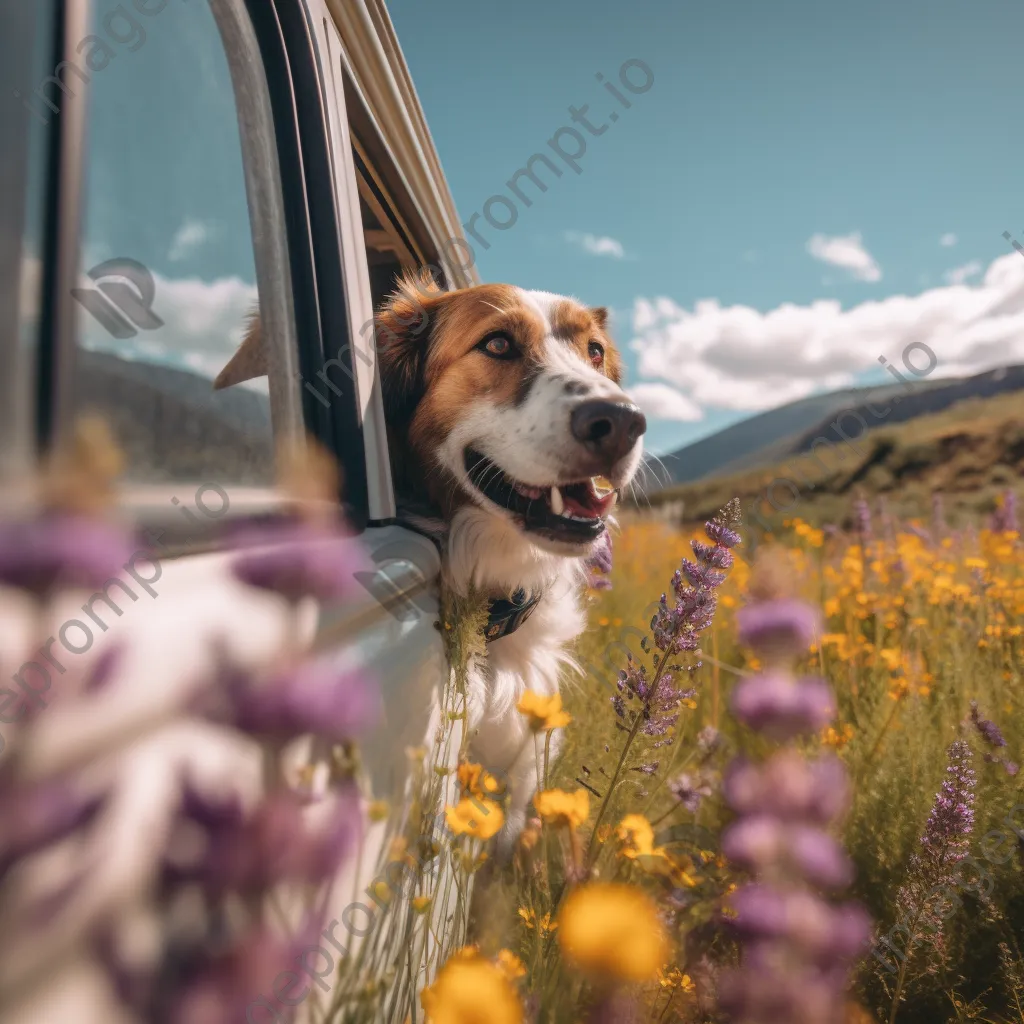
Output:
x=969 y=453
x=919 y=621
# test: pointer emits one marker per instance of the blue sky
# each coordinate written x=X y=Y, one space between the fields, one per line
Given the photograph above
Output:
x=786 y=154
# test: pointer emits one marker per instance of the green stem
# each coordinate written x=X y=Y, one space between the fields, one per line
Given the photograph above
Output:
x=902 y=977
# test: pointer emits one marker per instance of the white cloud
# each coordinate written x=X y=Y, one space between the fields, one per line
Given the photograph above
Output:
x=960 y=275
x=739 y=358
x=847 y=252
x=204 y=322
x=948 y=239
x=596 y=245
x=188 y=238
x=664 y=402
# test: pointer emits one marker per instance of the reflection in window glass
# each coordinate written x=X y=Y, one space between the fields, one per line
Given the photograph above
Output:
x=168 y=274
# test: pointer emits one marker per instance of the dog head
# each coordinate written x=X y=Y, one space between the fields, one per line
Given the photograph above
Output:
x=509 y=400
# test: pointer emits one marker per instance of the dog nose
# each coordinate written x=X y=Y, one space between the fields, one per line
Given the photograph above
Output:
x=607 y=428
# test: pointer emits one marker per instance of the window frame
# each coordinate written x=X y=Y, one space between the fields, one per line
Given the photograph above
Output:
x=301 y=108
x=288 y=172
x=18 y=27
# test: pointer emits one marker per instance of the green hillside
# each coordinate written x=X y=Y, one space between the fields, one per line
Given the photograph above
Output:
x=968 y=453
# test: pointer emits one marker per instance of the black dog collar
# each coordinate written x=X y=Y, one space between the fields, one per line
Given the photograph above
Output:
x=506 y=616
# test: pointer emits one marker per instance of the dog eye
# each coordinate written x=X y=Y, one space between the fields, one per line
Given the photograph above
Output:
x=499 y=346
x=596 y=351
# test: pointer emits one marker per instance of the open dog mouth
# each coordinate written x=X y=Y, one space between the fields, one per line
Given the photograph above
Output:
x=572 y=512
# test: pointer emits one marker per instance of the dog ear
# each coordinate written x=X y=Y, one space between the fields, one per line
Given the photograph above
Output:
x=250 y=361
x=600 y=314
x=402 y=329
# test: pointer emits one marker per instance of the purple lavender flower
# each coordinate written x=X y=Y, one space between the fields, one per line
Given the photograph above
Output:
x=788 y=787
x=757 y=842
x=778 y=628
x=312 y=697
x=951 y=821
x=862 y=519
x=810 y=925
x=254 y=850
x=658 y=704
x=690 y=789
x=211 y=831
x=721 y=533
x=782 y=707
x=59 y=551
x=297 y=560
x=225 y=986
x=945 y=842
x=987 y=730
x=709 y=739
x=1004 y=519
x=797 y=949
x=35 y=816
x=599 y=564
x=676 y=629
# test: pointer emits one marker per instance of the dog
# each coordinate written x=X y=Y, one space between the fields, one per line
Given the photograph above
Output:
x=510 y=438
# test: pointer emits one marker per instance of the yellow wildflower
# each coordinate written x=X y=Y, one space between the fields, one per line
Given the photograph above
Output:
x=471 y=990
x=511 y=966
x=379 y=890
x=421 y=904
x=475 y=817
x=544 y=713
x=612 y=930
x=673 y=978
x=557 y=807
x=544 y=925
x=832 y=737
x=477 y=782
x=636 y=837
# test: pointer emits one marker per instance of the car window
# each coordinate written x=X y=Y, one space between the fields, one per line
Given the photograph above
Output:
x=168 y=279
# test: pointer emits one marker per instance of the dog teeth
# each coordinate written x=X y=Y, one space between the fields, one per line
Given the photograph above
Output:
x=557 y=504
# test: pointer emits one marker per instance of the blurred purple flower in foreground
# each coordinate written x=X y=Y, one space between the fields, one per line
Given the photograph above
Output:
x=298 y=560
x=178 y=840
x=798 y=949
x=61 y=551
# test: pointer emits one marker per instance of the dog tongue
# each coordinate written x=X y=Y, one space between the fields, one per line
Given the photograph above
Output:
x=585 y=501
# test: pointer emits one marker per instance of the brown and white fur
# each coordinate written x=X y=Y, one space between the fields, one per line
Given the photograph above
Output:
x=445 y=394
x=529 y=382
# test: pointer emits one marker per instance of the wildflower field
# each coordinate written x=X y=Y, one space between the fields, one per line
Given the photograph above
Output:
x=788 y=790
x=796 y=695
